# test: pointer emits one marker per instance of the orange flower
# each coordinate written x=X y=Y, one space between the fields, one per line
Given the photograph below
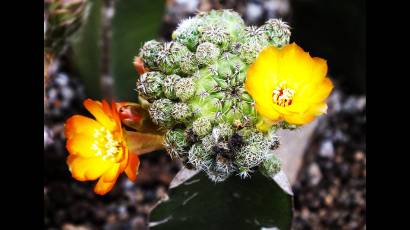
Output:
x=288 y=84
x=98 y=148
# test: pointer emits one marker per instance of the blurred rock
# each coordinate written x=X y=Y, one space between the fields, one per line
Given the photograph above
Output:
x=315 y=174
x=330 y=191
x=326 y=149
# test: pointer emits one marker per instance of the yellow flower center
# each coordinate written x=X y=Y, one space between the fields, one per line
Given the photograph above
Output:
x=282 y=95
x=105 y=145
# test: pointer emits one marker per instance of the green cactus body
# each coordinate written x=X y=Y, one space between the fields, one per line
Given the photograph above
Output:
x=197 y=92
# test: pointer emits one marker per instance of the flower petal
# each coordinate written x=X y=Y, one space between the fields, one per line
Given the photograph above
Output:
x=82 y=145
x=78 y=124
x=98 y=110
x=321 y=91
x=299 y=119
x=318 y=109
x=85 y=169
x=268 y=112
x=132 y=168
x=111 y=174
x=107 y=181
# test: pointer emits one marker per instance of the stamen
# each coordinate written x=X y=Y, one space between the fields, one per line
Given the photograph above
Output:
x=282 y=95
x=105 y=145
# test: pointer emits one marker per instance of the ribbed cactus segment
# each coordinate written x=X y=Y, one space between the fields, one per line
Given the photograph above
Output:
x=197 y=92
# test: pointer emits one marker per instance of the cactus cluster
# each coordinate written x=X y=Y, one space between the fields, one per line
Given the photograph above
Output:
x=195 y=87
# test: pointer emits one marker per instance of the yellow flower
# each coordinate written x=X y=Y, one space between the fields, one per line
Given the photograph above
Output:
x=288 y=84
x=98 y=148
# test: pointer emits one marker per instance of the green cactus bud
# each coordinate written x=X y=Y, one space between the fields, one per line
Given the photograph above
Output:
x=168 y=86
x=181 y=112
x=202 y=126
x=198 y=157
x=270 y=166
x=187 y=33
x=188 y=64
x=184 y=88
x=149 y=53
x=250 y=50
x=160 y=112
x=215 y=34
x=208 y=142
x=222 y=131
x=253 y=152
x=254 y=33
x=207 y=53
x=254 y=41
x=277 y=31
x=170 y=56
x=231 y=20
x=149 y=85
x=176 y=144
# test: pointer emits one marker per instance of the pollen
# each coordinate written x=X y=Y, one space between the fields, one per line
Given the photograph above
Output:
x=282 y=95
x=105 y=145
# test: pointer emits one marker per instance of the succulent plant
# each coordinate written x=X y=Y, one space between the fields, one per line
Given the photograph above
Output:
x=195 y=85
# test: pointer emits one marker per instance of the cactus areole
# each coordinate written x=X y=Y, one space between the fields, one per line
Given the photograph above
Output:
x=195 y=87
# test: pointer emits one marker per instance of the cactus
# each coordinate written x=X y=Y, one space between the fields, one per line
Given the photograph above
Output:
x=196 y=89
